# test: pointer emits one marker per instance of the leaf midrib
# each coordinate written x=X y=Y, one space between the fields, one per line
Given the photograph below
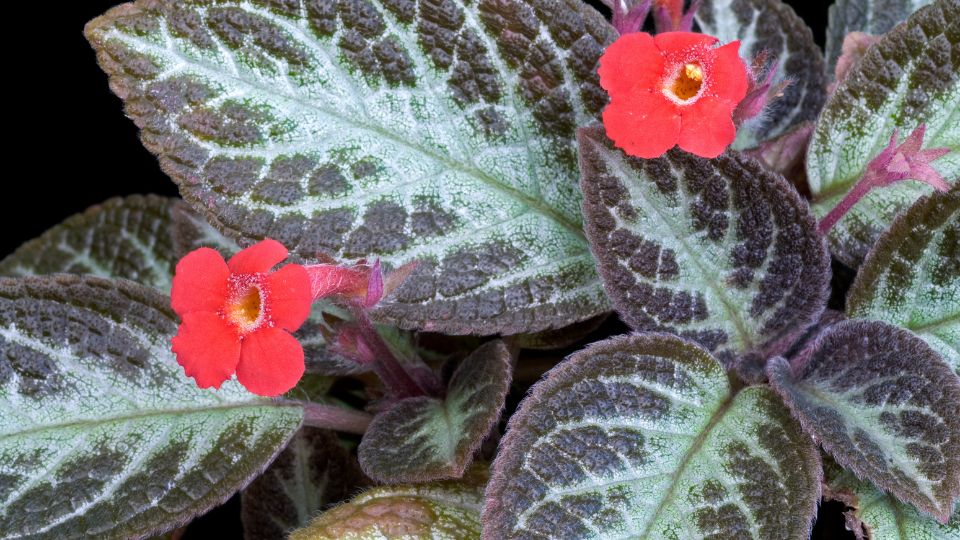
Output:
x=153 y=413
x=481 y=176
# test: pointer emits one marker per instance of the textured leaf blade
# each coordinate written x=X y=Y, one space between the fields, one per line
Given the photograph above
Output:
x=873 y=17
x=140 y=237
x=911 y=277
x=911 y=76
x=722 y=251
x=439 y=132
x=425 y=438
x=640 y=437
x=448 y=510
x=312 y=473
x=150 y=452
x=773 y=27
x=884 y=405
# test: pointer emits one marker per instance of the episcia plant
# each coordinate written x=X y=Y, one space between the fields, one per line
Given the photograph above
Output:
x=382 y=307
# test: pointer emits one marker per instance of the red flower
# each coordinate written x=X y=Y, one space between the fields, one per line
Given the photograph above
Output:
x=672 y=88
x=237 y=317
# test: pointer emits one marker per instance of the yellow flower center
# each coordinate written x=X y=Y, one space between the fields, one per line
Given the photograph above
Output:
x=688 y=82
x=246 y=310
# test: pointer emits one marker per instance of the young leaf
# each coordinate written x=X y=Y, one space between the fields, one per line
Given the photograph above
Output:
x=448 y=510
x=425 y=438
x=910 y=77
x=438 y=131
x=721 y=251
x=884 y=405
x=874 y=17
x=140 y=237
x=877 y=516
x=911 y=277
x=102 y=434
x=771 y=27
x=312 y=473
x=642 y=437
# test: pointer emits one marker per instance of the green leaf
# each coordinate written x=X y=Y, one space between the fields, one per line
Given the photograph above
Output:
x=434 y=130
x=773 y=27
x=723 y=252
x=875 y=515
x=884 y=405
x=424 y=438
x=911 y=277
x=311 y=474
x=873 y=17
x=447 y=510
x=642 y=437
x=101 y=433
x=910 y=77
x=140 y=237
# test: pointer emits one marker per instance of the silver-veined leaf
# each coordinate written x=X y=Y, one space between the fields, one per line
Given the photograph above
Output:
x=643 y=437
x=441 y=131
x=910 y=77
x=873 y=17
x=425 y=438
x=448 y=510
x=771 y=27
x=723 y=251
x=884 y=405
x=911 y=277
x=101 y=433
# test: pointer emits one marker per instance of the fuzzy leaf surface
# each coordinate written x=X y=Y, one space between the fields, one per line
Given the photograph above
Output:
x=723 y=252
x=448 y=510
x=441 y=131
x=873 y=17
x=425 y=438
x=102 y=435
x=773 y=27
x=641 y=437
x=877 y=516
x=911 y=277
x=911 y=76
x=312 y=473
x=139 y=237
x=884 y=405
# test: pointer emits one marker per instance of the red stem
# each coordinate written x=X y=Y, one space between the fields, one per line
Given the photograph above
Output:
x=390 y=371
x=860 y=189
x=335 y=418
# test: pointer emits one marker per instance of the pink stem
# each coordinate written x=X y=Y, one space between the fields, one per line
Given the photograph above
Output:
x=860 y=189
x=336 y=418
x=390 y=371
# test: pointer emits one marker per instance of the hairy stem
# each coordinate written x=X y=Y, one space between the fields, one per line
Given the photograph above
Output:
x=336 y=418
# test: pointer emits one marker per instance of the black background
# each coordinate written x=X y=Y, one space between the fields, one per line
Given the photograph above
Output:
x=72 y=147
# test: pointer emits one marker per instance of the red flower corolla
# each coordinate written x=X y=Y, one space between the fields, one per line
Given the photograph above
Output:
x=238 y=315
x=674 y=88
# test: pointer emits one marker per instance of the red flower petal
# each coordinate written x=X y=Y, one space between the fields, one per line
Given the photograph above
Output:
x=258 y=258
x=707 y=127
x=632 y=61
x=288 y=296
x=645 y=124
x=271 y=362
x=677 y=46
x=728 y=75
x=200 y=282
x=207 y=347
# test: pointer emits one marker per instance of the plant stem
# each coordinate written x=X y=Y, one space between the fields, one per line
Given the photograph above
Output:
x=336 y=418
x=390 y=371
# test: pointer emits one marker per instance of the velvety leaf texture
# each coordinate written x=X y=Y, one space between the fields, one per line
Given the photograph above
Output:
x=447 y=510
x=312 y=473
x=425 y=438
x=641 y=437
x=140 y=237
x=102 y=435
x=884 y=405
x=772 y=27
x=721 y=251
x=433 y=130
x=878 y=516
x=870 y=16
x=911 y=278
x=910 y=77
